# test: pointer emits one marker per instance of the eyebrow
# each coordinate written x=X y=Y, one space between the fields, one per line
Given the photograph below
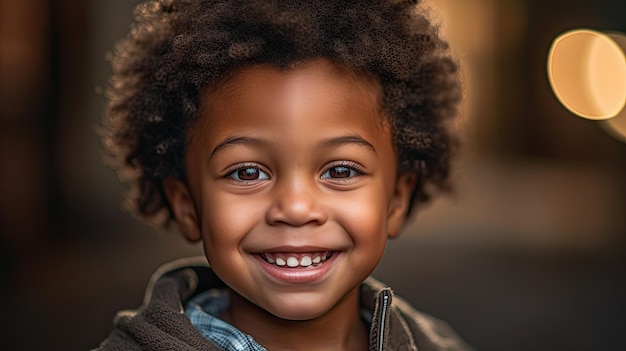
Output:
x=347 y=140
x=235 y=140
x=326 y=143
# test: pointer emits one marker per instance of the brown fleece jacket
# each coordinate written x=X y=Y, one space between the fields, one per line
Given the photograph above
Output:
x=161 y=324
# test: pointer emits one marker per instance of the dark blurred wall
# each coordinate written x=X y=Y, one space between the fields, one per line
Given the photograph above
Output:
x=25 y=91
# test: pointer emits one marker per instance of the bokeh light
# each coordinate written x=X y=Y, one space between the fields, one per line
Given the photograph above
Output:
x=587 y=71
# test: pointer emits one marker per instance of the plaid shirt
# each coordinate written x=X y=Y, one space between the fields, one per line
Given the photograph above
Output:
x=202 y=311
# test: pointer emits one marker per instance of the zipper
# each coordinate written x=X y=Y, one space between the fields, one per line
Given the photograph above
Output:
x=386 y=296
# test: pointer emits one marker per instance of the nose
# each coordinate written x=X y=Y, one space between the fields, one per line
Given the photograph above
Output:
x=296 y=203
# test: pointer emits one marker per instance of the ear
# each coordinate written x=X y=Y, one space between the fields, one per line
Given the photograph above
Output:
x=183 y=208
x=399 y=204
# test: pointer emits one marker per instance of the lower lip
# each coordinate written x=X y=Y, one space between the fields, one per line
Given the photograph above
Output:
x=308 y=274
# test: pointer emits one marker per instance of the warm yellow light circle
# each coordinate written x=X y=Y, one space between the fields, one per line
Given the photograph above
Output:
x=587 y=72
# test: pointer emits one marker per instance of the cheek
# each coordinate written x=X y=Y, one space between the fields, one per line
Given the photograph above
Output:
x=366 y=216
x=226 y=219
x=367 y=229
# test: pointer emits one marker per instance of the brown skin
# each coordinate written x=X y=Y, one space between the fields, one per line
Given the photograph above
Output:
x=290 y=163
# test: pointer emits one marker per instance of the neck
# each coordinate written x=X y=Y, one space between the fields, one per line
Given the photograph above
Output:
x=339 y=329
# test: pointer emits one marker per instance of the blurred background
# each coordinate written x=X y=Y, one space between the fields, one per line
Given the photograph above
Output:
x=528 y=254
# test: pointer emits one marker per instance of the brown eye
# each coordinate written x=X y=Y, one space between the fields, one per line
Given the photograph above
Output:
x=341 y=172
x=248 y=174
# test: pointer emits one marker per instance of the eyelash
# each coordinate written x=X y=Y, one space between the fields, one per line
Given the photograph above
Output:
x=231 y=172
x=352 y=167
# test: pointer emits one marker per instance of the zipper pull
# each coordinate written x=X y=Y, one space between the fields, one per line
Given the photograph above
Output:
x=385 y=302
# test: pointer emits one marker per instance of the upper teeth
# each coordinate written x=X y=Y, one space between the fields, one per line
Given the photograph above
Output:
x=293 y=261
x=306 y=261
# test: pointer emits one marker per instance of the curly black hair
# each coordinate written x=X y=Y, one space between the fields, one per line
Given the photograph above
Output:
x=177 y=47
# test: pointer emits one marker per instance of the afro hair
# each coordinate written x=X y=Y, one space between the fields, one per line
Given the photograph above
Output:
x=175 y=48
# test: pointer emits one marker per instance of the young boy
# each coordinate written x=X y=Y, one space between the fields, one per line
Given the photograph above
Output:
x=292 y=139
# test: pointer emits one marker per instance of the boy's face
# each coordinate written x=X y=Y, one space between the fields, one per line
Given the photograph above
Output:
x=292 y=186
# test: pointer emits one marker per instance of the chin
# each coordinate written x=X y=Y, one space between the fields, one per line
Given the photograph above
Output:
x=295 y=311
x=298 y=315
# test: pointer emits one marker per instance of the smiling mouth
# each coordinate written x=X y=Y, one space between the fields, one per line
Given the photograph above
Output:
x=296 y=260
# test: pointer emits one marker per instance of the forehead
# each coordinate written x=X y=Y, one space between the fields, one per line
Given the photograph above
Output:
x=322 y=70
x=311 y=94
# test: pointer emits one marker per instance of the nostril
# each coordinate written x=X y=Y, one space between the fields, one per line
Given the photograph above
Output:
x=296 y=214
x=296 y=202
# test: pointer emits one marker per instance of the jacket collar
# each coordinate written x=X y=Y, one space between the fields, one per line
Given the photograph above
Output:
x=388 y=330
